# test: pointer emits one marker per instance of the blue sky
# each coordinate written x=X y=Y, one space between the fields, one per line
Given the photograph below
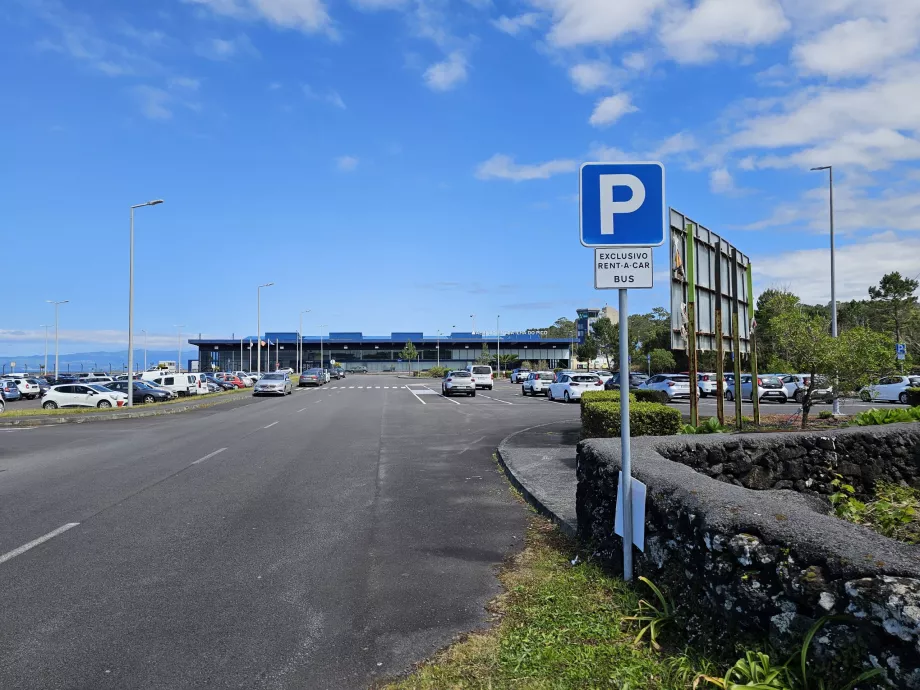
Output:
x=402 y=164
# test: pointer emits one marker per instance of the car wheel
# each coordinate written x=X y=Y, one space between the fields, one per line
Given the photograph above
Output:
x=566 y=398
x=50 y=405
x=523 y=391
x=903 y=398
x=798 y=396
x=473 y=394
x=783 y=400
x=865 y=397
x=703 y=395
x=104 y=404
x=148 y=399
x=729 y=396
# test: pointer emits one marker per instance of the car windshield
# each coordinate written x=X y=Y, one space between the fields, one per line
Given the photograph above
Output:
x=482 y=370
x=460 y=374
x=274 y=377
x=99 y=389
x=769 y=379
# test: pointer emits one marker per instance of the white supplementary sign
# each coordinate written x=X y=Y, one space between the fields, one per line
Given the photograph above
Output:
x=623 y=268
x=638 y=512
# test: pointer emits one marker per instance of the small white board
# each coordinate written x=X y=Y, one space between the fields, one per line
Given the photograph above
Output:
x=638 y=512
x=623 y=267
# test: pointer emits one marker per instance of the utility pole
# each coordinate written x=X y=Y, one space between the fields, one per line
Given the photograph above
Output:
x=56 y=345
x=830 y=170
x=45 y=369
x=155 y=202
x=259 y=324
x=179 y=344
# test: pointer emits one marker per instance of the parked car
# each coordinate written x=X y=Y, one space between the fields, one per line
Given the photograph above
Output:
x=95 y=378
x=43 y=385
x=219 y=384
x=180 y=384
x=142 y=392
x=891 y=389
x=519 y=375
x=286 y=370
x=569 y=387
x=603 y=375
x=796 y=385
x=232 y=378
x=537 y=383
x=10 y=390
x=635 y=380
x=276 y=383
x=455 y=382
x=675 y=385
x=482 y=373
x=312 y=377
x=27 y=389
x=82 y=395
x=335 y=374
x=245 y=377
x=706 y=382
x=361 y=369
x=341 y=372
x=768 y=388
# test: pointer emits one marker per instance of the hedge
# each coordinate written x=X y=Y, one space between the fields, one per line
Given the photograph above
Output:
x=605 y=396
x=602 y=420
x=650 y=396
x=913 y=397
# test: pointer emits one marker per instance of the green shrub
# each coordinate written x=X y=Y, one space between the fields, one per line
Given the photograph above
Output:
x=710 y=426
x=651 y=396
x=604 y=396
x=825 y=414
x=438 y=372
x=602 y=420
x=913 y=397
x=888 y=415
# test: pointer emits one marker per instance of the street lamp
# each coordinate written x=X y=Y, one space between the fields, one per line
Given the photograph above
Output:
x=473 y=319
x=259 y=325
x=498 y=345
x=131 y=301
x=321 y=327
x=439 y=344
x=830 y=170
x=300 y=342
x=179 y=346
x=45 y=370
x=56 y=305
x=145 y=350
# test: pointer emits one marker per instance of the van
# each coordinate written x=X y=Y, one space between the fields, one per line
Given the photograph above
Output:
x=180 y=384
x=482 y=373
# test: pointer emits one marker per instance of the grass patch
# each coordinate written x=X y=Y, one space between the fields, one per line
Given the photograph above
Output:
x=558 y=626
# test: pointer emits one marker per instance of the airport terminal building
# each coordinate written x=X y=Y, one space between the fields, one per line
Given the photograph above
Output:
x=376 y=353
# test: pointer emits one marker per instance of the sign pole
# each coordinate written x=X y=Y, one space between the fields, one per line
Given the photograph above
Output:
x=691 y=325
x=626 y=459
x=720 y=340
x=736 y=341
x=753 y=341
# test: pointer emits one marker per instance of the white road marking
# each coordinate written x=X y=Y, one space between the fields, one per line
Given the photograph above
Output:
x=362 y=386
x=35 y=542
x=316 y=401
x=302 y=409
x=496 y=399
x=416 y=396
x=351 y=386
x=209 y=455
x=270 y=425
x=377 y=387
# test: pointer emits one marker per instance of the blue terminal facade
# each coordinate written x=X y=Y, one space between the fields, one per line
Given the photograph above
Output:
x=354 y=350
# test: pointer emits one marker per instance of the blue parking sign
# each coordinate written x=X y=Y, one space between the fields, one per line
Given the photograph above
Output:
x=901 y=351
x=622 y=205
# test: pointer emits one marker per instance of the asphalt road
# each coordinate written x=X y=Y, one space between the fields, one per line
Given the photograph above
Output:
x=322 y=540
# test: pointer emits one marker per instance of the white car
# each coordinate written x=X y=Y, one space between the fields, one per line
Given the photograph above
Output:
x=246 y=378
x=675 y=385
x=892 y=389
x=519 y=375
x=96 y=379
x=456 y=382
x=603 y=375
x=537 y=383
x=796 y=385
x=569 y=387
x=82 y=395
x=27 y=390
x=706 y=381
x=483 y=375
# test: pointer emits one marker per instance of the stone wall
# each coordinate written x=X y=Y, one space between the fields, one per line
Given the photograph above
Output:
x=756 y=564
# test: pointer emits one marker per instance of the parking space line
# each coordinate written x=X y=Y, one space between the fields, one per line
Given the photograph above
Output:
x=350 y=386
x=302 y=409
x=496 y=399
x=270 y=425
x=416 y=396
x=209 y=455
x=377 y=387
x=35 y=542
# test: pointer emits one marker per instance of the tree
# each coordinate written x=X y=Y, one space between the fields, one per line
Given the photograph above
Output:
x=895 y=299
x=770 y=305
x=409 y=353
x=562 y=328
x=505 y=361
x=607 y=337
x=526 y=364
x=542 y=365
x=587 y=351
x=486 y=356
x=662 y=361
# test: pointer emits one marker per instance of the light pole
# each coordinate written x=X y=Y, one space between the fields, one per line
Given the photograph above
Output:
x=830 y=170
x=473 y=319
x=56 y=350
x=300 y=342
x=144 y=331
x=45 y=370
x=131 y=300
x=179 y=328
x=259 y=325
x=498 y=345
x=321 y=327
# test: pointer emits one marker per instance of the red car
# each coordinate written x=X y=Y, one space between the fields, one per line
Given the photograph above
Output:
x=232 y=378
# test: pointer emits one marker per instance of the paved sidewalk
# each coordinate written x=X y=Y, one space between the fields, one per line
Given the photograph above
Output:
x=540 y=461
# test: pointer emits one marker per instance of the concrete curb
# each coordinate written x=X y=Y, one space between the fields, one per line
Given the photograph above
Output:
x=567 y=528
x=49 y=420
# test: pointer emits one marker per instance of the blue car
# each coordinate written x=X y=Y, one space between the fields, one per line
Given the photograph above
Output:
x=9 y=390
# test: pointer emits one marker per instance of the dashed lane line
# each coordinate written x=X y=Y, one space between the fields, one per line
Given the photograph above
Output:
x=209 y=455
x=269 y=426
x=35 y=542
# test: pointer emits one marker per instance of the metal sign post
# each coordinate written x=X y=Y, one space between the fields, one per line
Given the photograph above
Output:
x=755 y=382
x=691 y=326
x=622 y=205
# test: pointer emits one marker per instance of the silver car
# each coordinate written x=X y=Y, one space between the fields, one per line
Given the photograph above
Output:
x=312 y=377
x=456 y=382
x=277 y=383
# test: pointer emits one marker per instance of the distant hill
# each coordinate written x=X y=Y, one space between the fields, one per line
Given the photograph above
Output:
x=84 y=361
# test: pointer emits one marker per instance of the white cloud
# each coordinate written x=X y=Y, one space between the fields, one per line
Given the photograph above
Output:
x=635 y=61
x=858 y=265
x=346 y=163
x=682 y=142
x=184 y=83
x=691 y=36
x=227 y=48
x=100 y=337
x=445 y=75
x=875 y=150
x=610 y=109
x=579 y=22
x=721 y=181
x=590 y=76
x=513 y=25
x=379 y=4
x=309 y=16
x=502 y=167
x=331 y=97
x=154 y=103
x=858 y=46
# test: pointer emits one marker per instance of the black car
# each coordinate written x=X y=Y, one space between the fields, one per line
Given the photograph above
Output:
x=142 y=392
x=635 y=380
x=224 y=385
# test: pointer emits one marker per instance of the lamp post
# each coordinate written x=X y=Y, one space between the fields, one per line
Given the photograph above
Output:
x=473 y=319
x=45 y=370
x=144 y=331
x=179 y=344
x=498 y=345
x=321 y=327
x=830 y=170
x=131 y=300
x=300 y=342
x=56 y=349
x=259 y=325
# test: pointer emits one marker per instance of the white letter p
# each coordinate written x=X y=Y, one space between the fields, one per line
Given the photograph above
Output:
x=610 y=207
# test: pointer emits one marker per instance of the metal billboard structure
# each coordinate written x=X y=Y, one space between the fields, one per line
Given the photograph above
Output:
x=710 y=297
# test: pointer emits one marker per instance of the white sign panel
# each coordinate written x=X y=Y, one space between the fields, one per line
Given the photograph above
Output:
x=617 y=268
x=638 y=512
